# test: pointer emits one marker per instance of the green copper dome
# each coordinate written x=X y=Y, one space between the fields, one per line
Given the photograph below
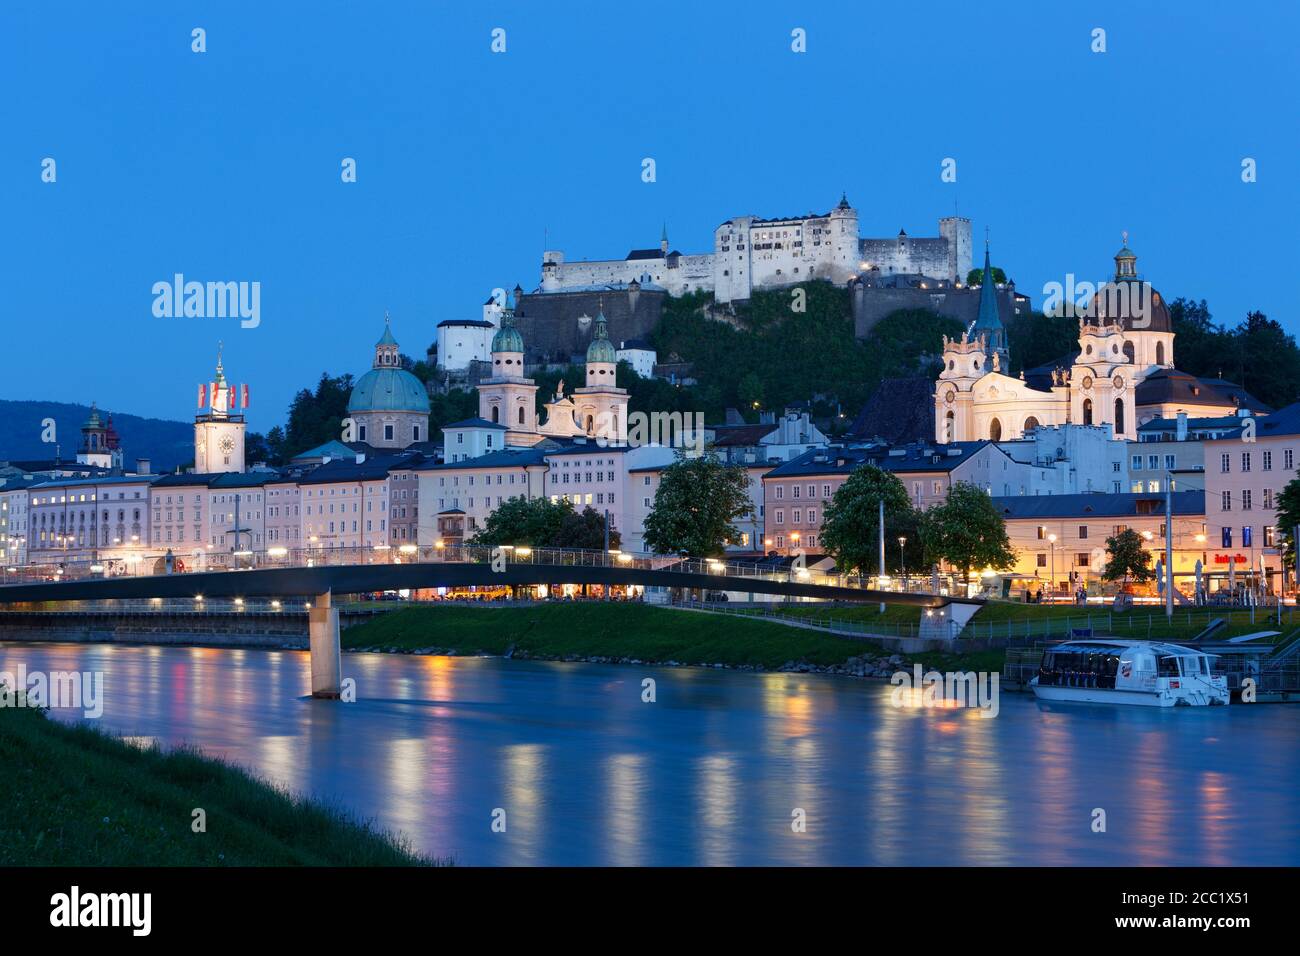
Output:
x=508 y=338
x=389 y=390
x=601 y=348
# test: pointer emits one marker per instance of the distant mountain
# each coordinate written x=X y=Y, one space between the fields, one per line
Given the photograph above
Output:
x=165 y=443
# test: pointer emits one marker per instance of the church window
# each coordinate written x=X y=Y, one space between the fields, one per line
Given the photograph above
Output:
x=995 y=430
x=1128 y=351
x=1119 y=415
x=1087 y=411
x=1031 y=423
x=948 y=426
x=521 y=414
x=1160 y=353
x=388 y=433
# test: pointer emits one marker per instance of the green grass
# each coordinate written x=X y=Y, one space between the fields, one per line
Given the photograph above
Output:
x=596 y=629
x=77 y=797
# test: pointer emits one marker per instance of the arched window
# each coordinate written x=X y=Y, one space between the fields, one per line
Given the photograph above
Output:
x=949 y=427
x=1128 y=351
x=591 y=425
x=1160 y=353
x=1087 y=411
x=521 y=414
x=1119 y=416
x=496 y=414
x=995 y=430
x=1031 y=423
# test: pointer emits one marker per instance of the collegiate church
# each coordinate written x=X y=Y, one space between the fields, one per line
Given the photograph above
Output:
x=1122 y=375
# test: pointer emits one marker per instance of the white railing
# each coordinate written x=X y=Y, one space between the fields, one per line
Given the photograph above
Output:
x=731 y=574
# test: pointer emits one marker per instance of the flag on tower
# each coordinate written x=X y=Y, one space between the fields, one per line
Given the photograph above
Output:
x=203 y=394
x=244 y=401
x=230 y=399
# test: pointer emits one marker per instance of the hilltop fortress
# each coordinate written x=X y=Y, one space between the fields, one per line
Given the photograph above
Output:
x=751 y=253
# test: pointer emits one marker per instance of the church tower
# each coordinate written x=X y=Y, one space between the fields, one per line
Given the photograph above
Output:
x=219 y=425
x=602 y=405
x=509 y=397
x=99 y=442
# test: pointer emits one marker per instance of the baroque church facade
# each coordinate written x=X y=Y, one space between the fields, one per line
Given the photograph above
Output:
x=597 y=409
x=1122 y=375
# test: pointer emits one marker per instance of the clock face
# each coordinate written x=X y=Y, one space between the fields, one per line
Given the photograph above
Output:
x=950 y=396
x=1119 y=381
x=227 y=444
x=1087 y=381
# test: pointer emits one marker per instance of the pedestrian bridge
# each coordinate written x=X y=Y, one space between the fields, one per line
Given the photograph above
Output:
x=316 y=574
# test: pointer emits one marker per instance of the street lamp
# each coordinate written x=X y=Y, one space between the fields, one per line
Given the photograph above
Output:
x=902 y=561
x=1051 y=584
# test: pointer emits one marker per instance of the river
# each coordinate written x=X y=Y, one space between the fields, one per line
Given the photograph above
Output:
x=716 y=768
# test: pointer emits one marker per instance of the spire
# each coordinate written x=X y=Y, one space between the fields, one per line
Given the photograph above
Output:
x=386 y=349
x=989 y=321
x=663 y=239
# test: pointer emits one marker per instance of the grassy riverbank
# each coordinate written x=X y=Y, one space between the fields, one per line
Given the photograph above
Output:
x=76 y=797
x=597 y=629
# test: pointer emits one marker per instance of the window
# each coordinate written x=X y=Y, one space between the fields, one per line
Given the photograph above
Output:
x=388 y=433
x=1081 y=559
x=1225 y=463
x=1245 y=499
x=1042 y=532
x=1227 y=501
x=1153 y=462
x=1268 y=498
x=1245 y=461
x=1268 y=460
x=1042 y=560
x=1288 y=459
x=1227 y=536
x=780 y=517
x=1137 y=462
x=1170 y=463
x=1247 y=537
x=1083 y=532
x=780 y=492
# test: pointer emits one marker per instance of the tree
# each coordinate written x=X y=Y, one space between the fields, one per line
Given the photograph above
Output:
x=976 y=277
x=1288 y=516
x=750 y=390
x=967 y=531
x=535 y=522
x=1126 y=557
x=317 y=417
x=257 y=448
x=585 y=530
x=851 y=522
x=696 y=504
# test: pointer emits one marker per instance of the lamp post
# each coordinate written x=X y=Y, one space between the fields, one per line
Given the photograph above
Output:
x=902 y=560
x=1051 y=584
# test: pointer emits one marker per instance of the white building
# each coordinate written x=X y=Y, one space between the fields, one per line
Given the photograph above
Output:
x=103 y=520
x=639 y=355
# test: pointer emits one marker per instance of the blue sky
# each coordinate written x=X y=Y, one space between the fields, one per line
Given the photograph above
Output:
x=225 y=165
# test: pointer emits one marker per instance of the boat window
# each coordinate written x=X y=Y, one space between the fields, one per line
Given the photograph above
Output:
x=1168 y=667
x=1194 y=665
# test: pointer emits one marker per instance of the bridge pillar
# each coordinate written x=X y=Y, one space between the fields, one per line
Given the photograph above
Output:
x=326 y=654
x=946 y=622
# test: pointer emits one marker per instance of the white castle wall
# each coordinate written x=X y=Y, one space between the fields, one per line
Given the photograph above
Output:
x=752 y=253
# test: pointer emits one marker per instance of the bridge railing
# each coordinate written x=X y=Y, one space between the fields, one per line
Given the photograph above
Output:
x=731 y=573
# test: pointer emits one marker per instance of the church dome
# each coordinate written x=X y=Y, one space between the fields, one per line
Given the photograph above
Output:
x=507 y=339
x=601 y=348
x=1129 y=300
x=389 y=390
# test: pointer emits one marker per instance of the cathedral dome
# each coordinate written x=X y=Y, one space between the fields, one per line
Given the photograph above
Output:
x=389 y=390
x=388 y=387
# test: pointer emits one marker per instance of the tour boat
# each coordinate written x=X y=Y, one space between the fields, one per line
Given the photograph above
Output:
x=1147 y=673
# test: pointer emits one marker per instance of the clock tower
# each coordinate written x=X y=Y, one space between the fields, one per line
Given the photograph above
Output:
x=219 y=425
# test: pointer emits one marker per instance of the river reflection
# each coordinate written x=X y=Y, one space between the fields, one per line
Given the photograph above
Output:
x=717 y=769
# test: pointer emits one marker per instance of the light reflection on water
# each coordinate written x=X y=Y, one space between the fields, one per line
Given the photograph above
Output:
x=710 y=774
